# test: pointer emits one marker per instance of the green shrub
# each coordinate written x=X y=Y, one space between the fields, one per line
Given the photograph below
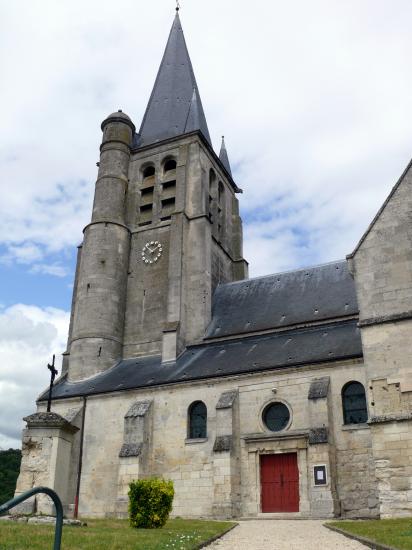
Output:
x=150 y=502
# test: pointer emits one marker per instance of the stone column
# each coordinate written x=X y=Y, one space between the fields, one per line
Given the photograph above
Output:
x=321 y=450
x=46 y=454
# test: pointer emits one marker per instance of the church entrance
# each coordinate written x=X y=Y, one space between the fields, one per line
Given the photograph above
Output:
x=279 y=477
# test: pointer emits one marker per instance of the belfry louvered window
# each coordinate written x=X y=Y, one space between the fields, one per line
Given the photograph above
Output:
x=354 y=403
x=197 y=420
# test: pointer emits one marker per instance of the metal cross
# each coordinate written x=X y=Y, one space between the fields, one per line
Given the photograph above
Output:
x=177 y=5
x=53 y=373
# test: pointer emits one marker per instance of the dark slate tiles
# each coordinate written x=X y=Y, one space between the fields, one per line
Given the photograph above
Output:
x=294 y=297
x=278 y=350
x=174 y=107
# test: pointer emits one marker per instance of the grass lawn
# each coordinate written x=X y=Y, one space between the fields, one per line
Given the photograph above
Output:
x=392 y=532
x=111 y=534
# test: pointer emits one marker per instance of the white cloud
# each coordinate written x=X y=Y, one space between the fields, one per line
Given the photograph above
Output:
x=314 y=100
x=23 y=253
x=50 y=269
x=29 y=336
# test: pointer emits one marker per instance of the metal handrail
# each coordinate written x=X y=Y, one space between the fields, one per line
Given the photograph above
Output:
x=57 y=502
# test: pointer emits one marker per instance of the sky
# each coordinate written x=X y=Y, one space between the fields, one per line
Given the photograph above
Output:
x=314 y=99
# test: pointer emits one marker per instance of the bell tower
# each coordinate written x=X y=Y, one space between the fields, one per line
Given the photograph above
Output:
x=165 y=230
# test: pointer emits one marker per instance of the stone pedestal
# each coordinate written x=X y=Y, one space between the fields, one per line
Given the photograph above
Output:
x=46 y=452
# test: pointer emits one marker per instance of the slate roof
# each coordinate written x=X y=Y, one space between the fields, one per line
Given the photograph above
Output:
x=174 y=106
x=306 y=295
x=332 y=342
x=289 y=304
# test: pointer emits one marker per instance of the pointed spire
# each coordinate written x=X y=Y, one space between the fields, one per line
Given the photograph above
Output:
x=175 y=106
x=224 y=157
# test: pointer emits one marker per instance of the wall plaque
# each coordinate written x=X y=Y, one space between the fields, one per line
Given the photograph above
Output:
x=319 y=475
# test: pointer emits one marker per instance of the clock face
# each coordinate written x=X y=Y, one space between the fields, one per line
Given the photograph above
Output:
x=151 y=252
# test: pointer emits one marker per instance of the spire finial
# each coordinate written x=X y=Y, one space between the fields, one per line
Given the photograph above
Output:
x=177 y=5
x=223 y=156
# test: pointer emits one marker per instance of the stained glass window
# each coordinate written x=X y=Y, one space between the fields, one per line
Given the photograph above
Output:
x=354 y=403
x=197 y=420
x=276 y=416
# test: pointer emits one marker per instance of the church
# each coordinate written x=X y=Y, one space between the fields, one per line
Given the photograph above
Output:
x=287 y=395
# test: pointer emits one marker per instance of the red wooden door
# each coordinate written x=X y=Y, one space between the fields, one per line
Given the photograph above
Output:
x=279 y=476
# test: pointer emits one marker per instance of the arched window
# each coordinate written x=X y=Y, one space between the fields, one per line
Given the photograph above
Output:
x=197 y=420
x=148 y=172
x=169 y=165
x=354 y=403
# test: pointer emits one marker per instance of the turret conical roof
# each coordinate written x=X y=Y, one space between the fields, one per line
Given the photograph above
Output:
x=175 y=106
x=223 y=156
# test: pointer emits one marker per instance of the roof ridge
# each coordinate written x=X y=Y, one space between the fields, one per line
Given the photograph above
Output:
x=312 y=267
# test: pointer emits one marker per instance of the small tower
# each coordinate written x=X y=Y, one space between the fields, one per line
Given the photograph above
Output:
x=98 y=317
x=223 y=156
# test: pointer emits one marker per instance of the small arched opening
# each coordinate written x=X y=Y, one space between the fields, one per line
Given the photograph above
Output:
x=354 y=403
x=169 y=165
x=197 y=420
x=148 y=172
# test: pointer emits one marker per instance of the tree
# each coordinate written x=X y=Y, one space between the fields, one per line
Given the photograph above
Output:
x=9 y=471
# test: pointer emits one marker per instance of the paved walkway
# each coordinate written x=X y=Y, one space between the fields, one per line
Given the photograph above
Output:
x=282 y=534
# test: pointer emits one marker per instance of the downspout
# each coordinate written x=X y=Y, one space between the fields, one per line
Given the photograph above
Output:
x=79 y=466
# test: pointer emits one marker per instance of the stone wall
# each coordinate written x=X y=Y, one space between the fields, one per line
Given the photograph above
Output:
x=382 y=267
x=219 y=475
x=146 y=303
x=382 y=263
x=392 y=452
x=356 y=474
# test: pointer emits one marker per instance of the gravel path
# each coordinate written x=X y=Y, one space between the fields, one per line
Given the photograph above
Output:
x=281 y=534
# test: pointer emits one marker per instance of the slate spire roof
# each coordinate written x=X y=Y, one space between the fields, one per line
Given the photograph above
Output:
x=174 y=106
x=224 y=157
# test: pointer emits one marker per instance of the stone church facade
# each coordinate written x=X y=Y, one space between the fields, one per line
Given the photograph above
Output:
x=285 y=394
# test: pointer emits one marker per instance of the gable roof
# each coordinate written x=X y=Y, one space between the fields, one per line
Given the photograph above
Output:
x=294 y=297
x=174 y=107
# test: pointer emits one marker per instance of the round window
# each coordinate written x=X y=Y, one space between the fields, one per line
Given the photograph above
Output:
x=276 y=417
